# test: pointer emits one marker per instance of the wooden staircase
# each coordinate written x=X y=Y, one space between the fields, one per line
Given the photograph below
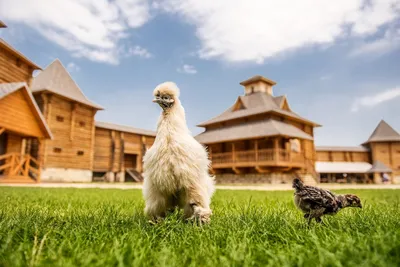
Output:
x=135 y=175
x=17 y=168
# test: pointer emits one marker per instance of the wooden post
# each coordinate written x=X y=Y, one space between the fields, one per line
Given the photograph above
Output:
x=122 y=151
x=111 y=167
x=256 y=149
x=27 y=163
x=73 y=115
x=276 y=149
x=233 y=152
x=2 y=129
x=23 y=147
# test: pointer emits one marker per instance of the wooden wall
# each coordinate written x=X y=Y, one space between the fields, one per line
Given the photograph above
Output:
x=17 y=116
x=72 y=125
x=14 y=143
x=387 y=153
x=344 y=156
x=12 y=69
x=113 y=147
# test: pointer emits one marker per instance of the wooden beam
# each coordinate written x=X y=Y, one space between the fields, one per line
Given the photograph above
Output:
x=236 y=170
x=262 y=170
x=256 y=149
x=2 y=129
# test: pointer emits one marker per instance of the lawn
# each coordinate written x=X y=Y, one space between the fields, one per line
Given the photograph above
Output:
x=106 y=227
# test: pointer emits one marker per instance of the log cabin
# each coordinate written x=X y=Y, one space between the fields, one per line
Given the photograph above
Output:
x=48 y=130
x=367 y=163
x=260 y=139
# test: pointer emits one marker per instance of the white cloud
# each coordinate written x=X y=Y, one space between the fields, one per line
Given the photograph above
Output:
x=138 y=51
x=88 y=28
x=374 y=100
x=72 y=67
x=389 y=42
x=188 y=69
x=254 y=30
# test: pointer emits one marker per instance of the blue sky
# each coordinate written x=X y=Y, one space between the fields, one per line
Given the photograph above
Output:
x=338 y=63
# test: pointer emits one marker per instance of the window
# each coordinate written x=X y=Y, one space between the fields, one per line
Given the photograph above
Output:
x=57 y=150
x=80 y=153
x=82 y=124
x=60 y=118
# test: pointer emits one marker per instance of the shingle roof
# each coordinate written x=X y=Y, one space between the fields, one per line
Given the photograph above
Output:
x=383 y=133
x=9 y=88
x=379 y=167
x=56 y=79
x=249 y=130
x=124 y=128
x=342 y=148
x=2 y=24
x=4 y=45
x=256 y=103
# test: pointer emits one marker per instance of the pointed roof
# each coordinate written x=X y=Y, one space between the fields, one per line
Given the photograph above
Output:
x=9 y=88
x=257 y=78
x=383 y=133
x=256 y=103
x=257 y=129
x=4 y=45
x=2 y=24
x=379 y=167
x=56 y=79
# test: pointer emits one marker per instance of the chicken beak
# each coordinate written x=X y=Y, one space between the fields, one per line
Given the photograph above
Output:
x=156 y=100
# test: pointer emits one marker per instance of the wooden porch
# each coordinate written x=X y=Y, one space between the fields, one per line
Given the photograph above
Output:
x=19 y=168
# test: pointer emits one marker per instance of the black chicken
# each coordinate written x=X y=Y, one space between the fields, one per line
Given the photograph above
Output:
x=316 y=202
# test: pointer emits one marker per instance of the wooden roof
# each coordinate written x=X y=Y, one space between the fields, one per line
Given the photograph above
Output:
x=4 y=45
x=256 y=103
x=2 y=24
x=342 y=148
x=123 y=128
x=383 y=133
x=56 y=79
x=257 y=78
x=9 y=88
x=252 y=130
x=379 y=167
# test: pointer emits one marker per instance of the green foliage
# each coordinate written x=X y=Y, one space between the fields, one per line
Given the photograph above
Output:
x=97 y=227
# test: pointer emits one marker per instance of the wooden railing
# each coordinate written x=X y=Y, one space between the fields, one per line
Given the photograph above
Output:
x=17 y=165
x=259 y=157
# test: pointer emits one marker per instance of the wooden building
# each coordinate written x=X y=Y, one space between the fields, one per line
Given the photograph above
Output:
x=48 y=130
x=21 y=123
x=119 y=152
x=259 y=138
x=367 y=163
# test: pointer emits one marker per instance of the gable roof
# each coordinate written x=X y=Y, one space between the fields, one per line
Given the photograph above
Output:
x=4 y=45
x=9 y=88
x=56 y=79
x=256 y=103
x=379 y=167
x=383 y=133
x=123 y=128
x=257 y=129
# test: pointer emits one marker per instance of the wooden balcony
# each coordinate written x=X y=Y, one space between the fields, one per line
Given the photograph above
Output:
x=258 y=158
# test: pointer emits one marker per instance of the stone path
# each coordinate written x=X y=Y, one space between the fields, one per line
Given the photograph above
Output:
x=265 y=187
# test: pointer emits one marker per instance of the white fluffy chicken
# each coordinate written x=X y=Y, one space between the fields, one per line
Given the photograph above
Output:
x=176 y=166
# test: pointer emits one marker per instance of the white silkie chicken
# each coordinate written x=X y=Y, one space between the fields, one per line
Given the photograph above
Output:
x=176 y=166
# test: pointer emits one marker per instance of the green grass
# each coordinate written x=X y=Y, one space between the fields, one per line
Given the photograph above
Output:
x=97 y=227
